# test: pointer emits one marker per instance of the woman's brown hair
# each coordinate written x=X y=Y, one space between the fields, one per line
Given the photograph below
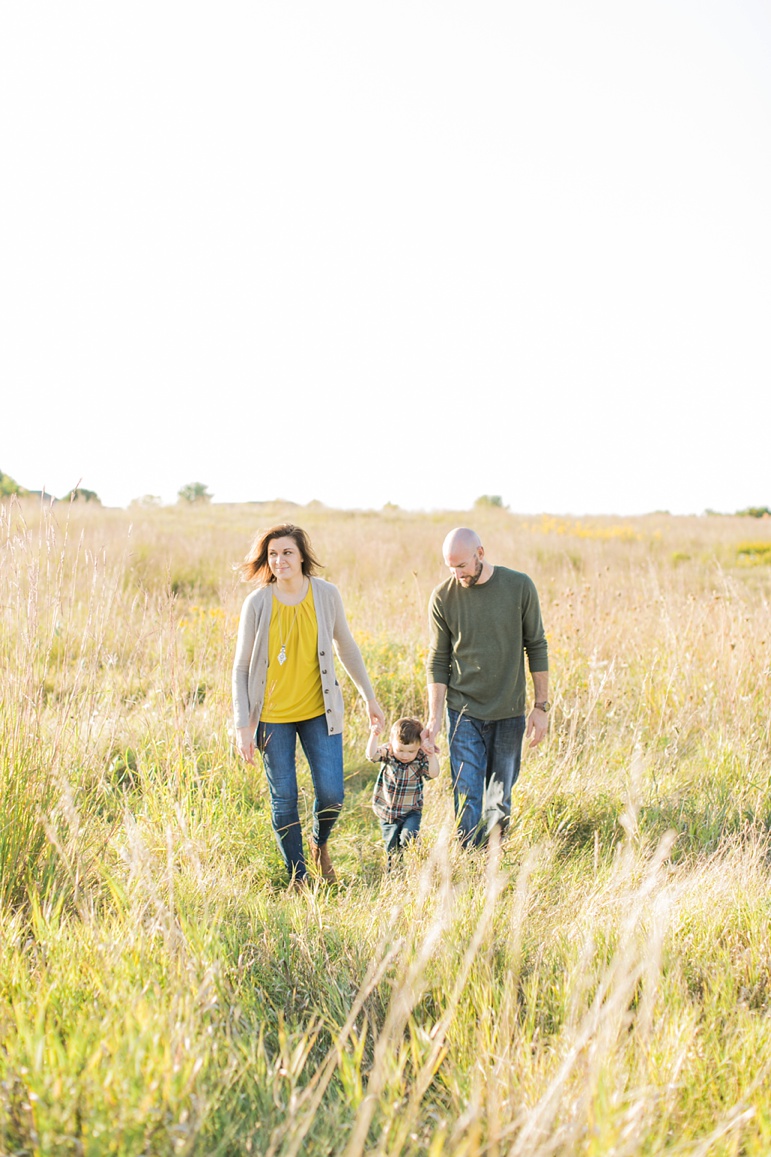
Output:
x=255 y=565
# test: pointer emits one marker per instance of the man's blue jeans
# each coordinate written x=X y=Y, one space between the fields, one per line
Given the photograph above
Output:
x=277 y=743
x=484 y=758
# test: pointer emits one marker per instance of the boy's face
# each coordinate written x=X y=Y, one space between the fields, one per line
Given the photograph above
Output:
x=404 y=752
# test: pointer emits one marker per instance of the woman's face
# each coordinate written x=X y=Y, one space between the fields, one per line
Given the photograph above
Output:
x=284 y=559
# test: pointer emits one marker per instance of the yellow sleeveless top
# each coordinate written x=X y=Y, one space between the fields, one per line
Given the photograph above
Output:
x=293 y=689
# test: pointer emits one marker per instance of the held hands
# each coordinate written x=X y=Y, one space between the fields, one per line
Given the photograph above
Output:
x=375 y=712
x=373 y=747
x=428 y=737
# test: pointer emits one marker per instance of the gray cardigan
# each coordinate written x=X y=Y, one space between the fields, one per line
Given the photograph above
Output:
x=250 y=668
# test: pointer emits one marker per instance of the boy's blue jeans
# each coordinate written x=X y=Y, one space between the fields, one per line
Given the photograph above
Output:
x=484 y=759
x=399 y=833
x=277 y=743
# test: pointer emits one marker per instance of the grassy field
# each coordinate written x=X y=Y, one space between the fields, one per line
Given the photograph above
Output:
x=599 y=985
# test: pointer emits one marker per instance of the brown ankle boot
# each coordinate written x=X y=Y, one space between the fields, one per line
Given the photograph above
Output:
x=321 y=861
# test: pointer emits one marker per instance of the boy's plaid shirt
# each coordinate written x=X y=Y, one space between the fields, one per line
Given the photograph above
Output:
x=399 y=786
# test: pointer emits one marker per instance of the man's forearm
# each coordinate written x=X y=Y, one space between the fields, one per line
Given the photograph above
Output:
x=437 y=693
x=540 y=685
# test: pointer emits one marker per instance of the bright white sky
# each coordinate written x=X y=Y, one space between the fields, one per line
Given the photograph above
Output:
x=411 y=251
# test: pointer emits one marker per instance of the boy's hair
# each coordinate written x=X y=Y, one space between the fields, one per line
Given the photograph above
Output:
x=407 y=730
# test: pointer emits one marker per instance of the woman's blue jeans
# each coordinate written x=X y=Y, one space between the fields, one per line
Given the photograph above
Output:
x=484 y=759
x=277 y=743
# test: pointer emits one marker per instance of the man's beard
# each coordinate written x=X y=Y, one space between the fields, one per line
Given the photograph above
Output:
x=473 y=579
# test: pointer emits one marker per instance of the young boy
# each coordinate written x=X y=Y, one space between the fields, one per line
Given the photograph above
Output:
x=397 y=800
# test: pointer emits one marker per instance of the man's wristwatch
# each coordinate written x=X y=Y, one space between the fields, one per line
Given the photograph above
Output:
x=545 y=706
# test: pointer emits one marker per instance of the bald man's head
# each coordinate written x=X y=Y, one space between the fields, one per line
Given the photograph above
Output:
x=461 y=539
x=465 y=556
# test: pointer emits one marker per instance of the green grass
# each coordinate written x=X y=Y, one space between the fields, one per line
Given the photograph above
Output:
x=600 y=985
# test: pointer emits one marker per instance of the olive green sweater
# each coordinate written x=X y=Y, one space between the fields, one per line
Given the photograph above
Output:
x=479 y=638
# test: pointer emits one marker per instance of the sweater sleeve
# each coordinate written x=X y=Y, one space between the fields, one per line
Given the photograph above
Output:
x=240 y=679
x=533 y=634
x=440 y=644
x=347 y=649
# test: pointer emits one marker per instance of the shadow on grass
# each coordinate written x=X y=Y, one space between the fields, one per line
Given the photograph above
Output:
x=591 y=825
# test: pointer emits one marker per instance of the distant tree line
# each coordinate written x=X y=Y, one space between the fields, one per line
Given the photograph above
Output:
x=10 y=486
x=754 y=512
x=193 y=492
x=748 y=512
x=198 y=492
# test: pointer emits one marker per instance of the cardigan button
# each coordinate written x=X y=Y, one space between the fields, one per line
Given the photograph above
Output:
x=329 y=710
x=322 y=652
x=324 y=671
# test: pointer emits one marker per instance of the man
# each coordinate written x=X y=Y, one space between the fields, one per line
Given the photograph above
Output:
x=483 y=619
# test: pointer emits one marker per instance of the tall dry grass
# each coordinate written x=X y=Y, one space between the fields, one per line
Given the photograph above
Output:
x=598 y=985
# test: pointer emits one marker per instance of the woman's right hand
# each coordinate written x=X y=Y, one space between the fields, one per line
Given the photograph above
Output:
x=375 y=712
x=245 y=743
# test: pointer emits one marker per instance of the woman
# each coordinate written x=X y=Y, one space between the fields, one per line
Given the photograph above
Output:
x=284 y=685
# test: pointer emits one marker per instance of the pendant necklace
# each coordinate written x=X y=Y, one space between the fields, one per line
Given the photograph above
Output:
x=282 y=652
